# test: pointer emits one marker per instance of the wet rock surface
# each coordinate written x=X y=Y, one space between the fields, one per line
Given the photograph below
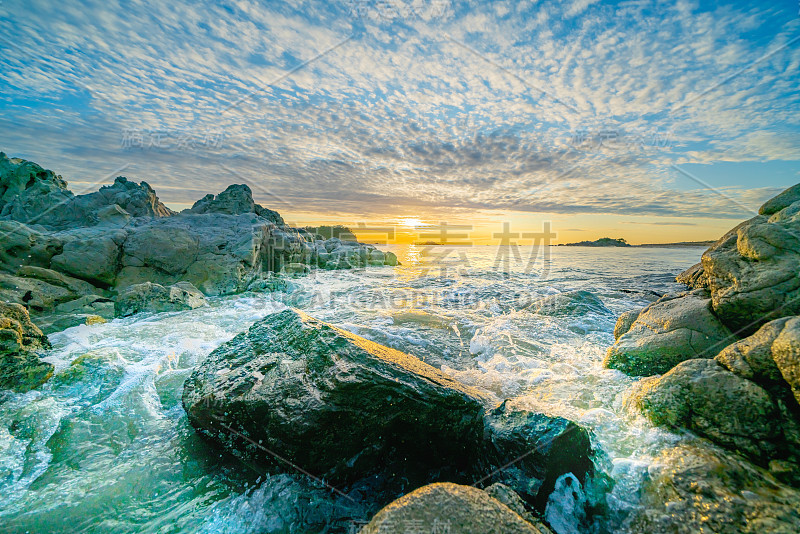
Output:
x=364 y=415
x=736 y=413
x=731 y=364
x=752 y=271
x=693 y=489
x=150 y=297
x=20 y=342
x=673 y=329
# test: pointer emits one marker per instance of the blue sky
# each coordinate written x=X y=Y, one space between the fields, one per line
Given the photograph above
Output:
x=600 y=115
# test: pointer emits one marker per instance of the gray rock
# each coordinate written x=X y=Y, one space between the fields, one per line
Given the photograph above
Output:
x=751 y=357
x=89 y=304
x=20 y=366
x=23 y=246
x=149 y=297
x=446 y=507
x=335 y=403
x=542 y=448
x=786 y=354
x=781 y=202
x=88 y=310
x=37 y=295
x=123 y=235
x=33 y=195
x=351 y=410
x=625 y=322
x=691 y=489
x=235 y=200
x=752 y=270
x=91 y=255
x=131 y=199
x=219 y=254
x=702 y=396
x=167 y=248
x=74 y=285
x=770 y=357
x=669 y=331
x=113 y=215
x=52 y=323
x=29 y=193
x=49 y=295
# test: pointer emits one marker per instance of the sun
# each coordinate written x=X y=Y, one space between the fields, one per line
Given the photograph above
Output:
x=411 y=222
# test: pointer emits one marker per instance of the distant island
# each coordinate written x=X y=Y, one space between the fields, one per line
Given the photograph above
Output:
x=679 y=244
x=620 y=242
x=602 y=242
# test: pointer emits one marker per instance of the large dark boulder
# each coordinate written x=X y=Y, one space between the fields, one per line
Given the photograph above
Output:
x=355 y=412
x=540 y=448
x=332 y=402
x=20 y=341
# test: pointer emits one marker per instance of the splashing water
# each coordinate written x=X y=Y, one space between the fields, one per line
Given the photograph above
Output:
x=105 y=444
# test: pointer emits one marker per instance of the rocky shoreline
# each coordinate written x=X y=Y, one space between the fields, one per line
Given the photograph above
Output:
x=728 y=356
x=70 y=260
x=721 y=362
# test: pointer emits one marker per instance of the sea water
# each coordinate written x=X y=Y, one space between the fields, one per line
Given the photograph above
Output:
x=105 y=445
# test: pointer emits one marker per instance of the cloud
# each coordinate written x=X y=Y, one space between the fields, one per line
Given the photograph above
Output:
x=451 y=106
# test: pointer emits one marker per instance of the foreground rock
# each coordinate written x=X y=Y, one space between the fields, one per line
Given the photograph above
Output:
x=745 y=399
x=692 y=489
x=333 y=402
x=452 y=508
x=541 y=447
x=20 y=340
x=149 y=297
x=357 y=413
x=88 y=310
x=752 y=271
x=770 y=357
x=738 y=414
x=672 y=330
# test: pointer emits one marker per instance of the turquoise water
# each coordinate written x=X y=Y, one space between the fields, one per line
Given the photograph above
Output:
x=105 y=445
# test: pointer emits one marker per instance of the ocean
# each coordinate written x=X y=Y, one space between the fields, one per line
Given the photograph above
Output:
x=105 y=445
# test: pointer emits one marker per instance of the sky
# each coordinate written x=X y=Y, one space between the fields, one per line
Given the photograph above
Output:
x=654 y=121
